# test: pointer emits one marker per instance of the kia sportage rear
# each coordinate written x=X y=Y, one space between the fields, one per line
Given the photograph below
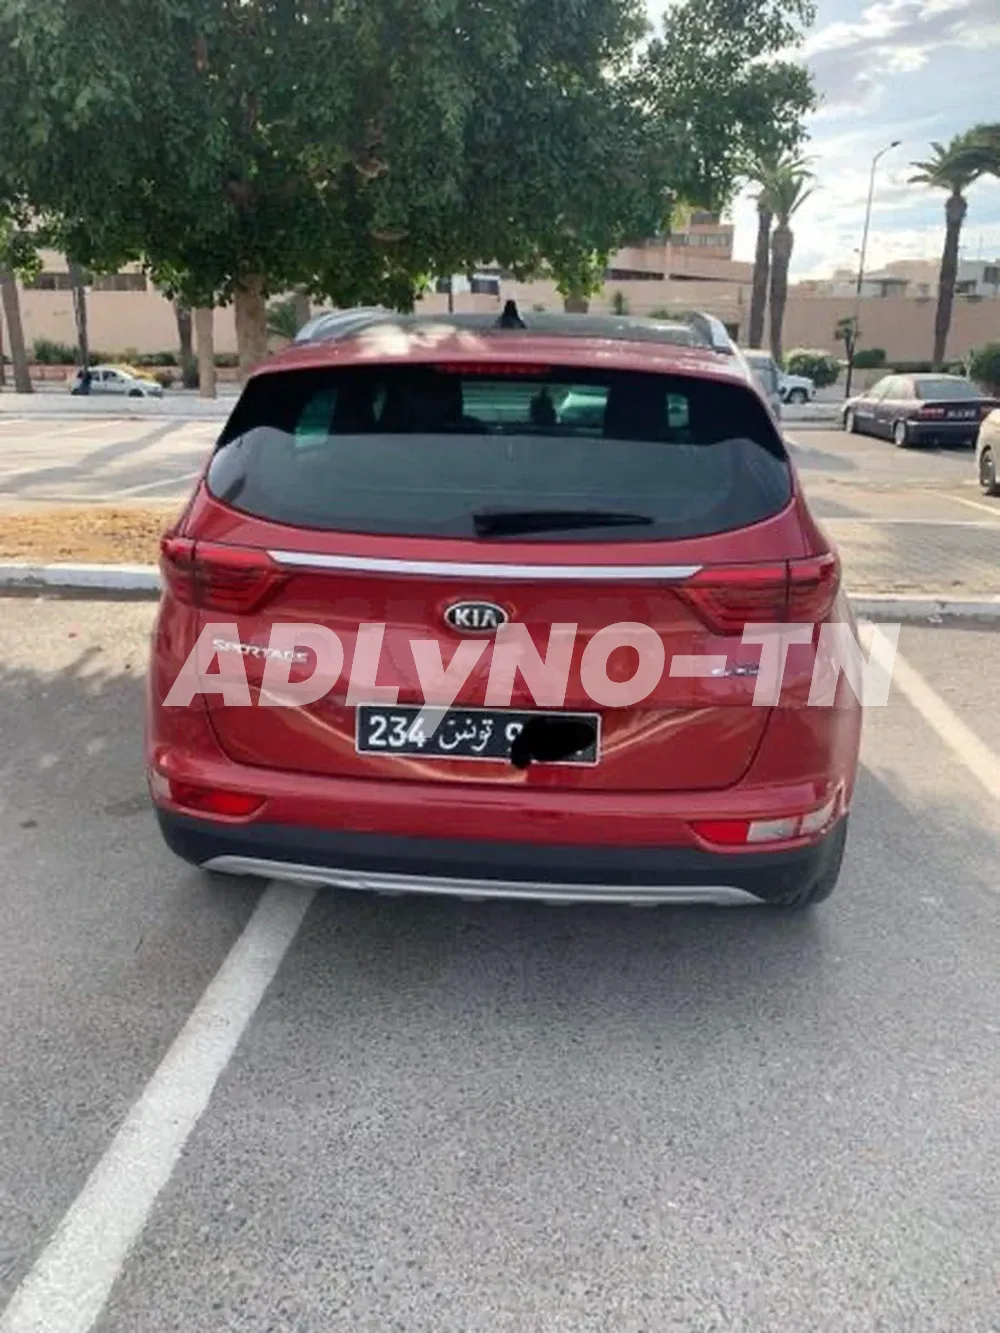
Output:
x=494 y=613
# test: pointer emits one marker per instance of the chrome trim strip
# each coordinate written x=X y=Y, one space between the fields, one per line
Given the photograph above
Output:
x=478 y=889
x=470 y=569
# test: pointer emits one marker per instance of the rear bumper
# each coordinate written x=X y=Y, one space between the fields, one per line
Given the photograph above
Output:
x=471 y=868
x=945 y=432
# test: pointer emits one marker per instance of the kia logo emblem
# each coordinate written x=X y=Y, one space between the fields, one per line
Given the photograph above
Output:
x=475 y=617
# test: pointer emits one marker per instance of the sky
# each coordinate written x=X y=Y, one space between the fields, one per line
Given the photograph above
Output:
x=913 y=70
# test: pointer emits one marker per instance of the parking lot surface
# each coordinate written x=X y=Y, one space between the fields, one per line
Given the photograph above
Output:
x=460 y=1118
x=909 y=522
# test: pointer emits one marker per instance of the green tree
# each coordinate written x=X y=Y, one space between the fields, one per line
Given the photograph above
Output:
x=952 y=167
x=788 y=192
x=351 y=150
x=984 y=367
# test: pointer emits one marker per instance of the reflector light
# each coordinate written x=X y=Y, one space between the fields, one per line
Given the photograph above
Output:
x=773 y=830
x=750 y=832
x=818 y=820
x=214 y=801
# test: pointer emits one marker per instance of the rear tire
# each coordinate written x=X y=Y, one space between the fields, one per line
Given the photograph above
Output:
x=988 y=480
x=136 y=393
x=797 y=396
x=817 y=890
x=901 y=435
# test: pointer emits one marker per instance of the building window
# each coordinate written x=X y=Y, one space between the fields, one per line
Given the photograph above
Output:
x=49 y=282
x=631 y=275
x=120 y=282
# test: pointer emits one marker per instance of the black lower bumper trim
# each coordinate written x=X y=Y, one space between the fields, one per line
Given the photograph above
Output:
x=768 y=875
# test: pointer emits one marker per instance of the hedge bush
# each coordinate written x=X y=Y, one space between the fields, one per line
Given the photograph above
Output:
x=48 y=352
x=923 y=368
x=984 y=367
x=869 y=358
x=822 y=368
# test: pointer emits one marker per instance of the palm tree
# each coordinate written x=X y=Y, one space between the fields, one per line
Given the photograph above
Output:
x=982 y=149
x=762 y=170
x=787 y=193
x=953 y=168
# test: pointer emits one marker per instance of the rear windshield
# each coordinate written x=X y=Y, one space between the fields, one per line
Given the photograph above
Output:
x=428 y=451
x=946 y=388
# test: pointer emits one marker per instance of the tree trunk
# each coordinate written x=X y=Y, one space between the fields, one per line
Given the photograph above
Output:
x=189 y=366
x=761 y=272
x=3 y=360
x=251 y=324
x=954 y=212
x=781 y=256
x=15 y=332
x=303 y=313
x=576 y=305
x=76 y=277
x=204 y=336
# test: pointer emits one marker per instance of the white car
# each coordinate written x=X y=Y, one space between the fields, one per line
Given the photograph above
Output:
x=122 y=380
x=988 y=454
x=796 y=388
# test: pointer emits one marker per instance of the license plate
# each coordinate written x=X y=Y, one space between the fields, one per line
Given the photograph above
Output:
x=963 y=414
x=462 y=733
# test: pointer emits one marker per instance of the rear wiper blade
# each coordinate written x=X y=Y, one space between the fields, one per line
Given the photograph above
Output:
x=511 y=522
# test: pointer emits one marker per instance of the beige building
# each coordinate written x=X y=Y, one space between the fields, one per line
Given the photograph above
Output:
x=693 y=269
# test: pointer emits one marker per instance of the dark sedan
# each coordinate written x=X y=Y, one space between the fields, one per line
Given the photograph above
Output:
x=919 y=409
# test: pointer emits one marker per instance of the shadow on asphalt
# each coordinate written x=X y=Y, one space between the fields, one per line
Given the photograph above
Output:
x=73 y=756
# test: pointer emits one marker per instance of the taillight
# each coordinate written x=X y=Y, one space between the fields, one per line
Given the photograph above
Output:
x=813 y=585
x=233 y=579
x=729 y=598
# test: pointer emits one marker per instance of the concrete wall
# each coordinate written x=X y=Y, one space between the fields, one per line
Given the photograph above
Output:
x=904 y=326
x=144 y=321
x=117 y=321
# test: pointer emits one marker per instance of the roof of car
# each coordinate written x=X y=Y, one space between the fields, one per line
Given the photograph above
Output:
x=354 y=337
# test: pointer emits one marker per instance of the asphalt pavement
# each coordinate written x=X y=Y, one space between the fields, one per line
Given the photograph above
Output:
x=457 y=1118
x=909 y=522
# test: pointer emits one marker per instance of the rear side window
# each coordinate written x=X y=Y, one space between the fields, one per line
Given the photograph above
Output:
x=946 y=387
x=427 y=451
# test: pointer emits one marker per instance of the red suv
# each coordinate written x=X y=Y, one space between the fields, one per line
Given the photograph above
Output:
x=459 y=606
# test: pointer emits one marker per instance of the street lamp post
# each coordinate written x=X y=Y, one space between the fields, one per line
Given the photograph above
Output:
x=861 y=264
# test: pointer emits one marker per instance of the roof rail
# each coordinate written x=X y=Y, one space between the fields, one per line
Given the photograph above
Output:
x=690 y=329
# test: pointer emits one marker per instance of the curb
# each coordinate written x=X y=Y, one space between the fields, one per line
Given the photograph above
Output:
x=17 y=574
x=894 y=607
x=144 y=580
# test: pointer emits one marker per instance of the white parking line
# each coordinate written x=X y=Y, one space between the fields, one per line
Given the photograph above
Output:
x=992 y=510
x=71 y=1280
x=963 y=742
